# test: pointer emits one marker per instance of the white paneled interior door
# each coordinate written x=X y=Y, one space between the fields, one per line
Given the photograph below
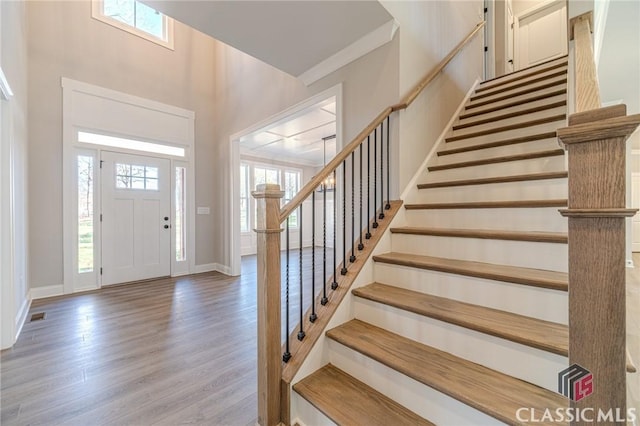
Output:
x=541 y=34
x=136 y=217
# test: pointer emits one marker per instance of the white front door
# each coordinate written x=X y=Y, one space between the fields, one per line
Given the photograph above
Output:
x=541 y=34
x=509 y=56
x=136 y=212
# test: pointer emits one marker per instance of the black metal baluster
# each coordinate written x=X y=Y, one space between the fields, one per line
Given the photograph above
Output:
x=368 y=235
x=381 y=216
x=287 y=355
x=388 y=206
x=375 y=177
x=343 y=271
x=313 y=317
x=361 y=246
x=324 y=299
x=334 y=284
x=301 y=332
x=352 y=258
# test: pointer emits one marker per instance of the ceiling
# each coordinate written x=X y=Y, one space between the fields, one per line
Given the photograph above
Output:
x=298 y=139
x=293 y=36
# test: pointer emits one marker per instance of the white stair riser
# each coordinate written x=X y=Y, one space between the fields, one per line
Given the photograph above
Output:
x=511 y=121
x=546 y=189
x=527 y=81
x=510 y=134
x=516 y=75
x=543 y=219
x=417 y=397
x=491 y=105
x=307 y=414
x=498 y=354
x=499 y=151
x=525 y=254
x=542 y=303
x=512 y=109
x=535 y=165
x=511 y=92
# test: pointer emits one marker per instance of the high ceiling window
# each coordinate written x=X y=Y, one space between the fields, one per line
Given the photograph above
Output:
x=136 y=18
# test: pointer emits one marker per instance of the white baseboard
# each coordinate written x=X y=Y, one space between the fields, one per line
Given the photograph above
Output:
x=47 y=291
x=212 y=267
x=21 y=317
x=412 y=183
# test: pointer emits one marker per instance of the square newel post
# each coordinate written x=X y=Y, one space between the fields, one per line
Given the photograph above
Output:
x=596 y=212
x=268 y=280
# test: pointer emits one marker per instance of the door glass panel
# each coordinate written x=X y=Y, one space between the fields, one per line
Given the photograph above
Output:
x=131 y=176
x=85 y=213
x=181 y=207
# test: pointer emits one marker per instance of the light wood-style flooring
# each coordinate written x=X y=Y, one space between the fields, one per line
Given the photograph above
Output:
x=169 y=351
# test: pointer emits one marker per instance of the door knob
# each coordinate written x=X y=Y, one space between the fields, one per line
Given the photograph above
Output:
x=166 y=218
x=166 y=227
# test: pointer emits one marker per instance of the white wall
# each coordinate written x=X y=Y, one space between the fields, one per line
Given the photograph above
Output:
x=428 y=32
x=65 y=41
x=13 y=181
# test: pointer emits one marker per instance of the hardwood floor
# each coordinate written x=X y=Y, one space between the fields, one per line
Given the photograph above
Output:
x=170 y=351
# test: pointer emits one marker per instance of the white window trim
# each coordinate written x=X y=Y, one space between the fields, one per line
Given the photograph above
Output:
x=97 y=12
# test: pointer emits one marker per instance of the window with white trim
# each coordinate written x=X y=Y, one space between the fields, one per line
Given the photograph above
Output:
x=136 y=18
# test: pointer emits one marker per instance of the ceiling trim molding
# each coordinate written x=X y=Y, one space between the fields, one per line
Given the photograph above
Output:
x=5 y=90
x=376 y=38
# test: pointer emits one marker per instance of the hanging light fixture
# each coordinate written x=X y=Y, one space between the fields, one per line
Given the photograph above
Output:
x=329 y=183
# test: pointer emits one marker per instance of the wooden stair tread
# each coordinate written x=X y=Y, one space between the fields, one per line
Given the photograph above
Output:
x=545 y=335
x=518 y=93
x=530 y=123
x=489 y=204
x=502 y=159
x=498 y=179
x=487 y=390
x=512 y=104
x=525 y=73
x=511 y=115
x=532 y=236
x=495 y=144
x=489 y=91
x=348 y=401
x=505 y=273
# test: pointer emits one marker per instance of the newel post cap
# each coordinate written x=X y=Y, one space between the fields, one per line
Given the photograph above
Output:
x=267 y=190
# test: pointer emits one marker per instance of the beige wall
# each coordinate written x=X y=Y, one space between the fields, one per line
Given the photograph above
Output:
x=249 y=91
x=429 y=31
x=64 y=41
x=13 y=59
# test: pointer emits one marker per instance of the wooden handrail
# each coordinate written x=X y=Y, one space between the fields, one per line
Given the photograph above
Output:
x=413 y=94
x=586 y=77
x=355 y=143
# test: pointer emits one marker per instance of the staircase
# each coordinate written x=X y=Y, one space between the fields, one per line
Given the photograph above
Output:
x=466 y=320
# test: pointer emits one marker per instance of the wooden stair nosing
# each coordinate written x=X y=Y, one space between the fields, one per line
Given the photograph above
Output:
x=496 y=144
x=513 y=104
x=489 y=204
x=472 y=104
x=493 y=180
x=504 y=273
x=486 y=234
x=489 y=391
x=496 y=160
x=540 y=334
x=525 y=72
x=511 y=115
x=530 y=123
x=536 y=333
x=488 y=91
x=346 y=400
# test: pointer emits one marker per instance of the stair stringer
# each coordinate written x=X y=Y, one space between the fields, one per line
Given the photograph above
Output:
x=300 y=410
